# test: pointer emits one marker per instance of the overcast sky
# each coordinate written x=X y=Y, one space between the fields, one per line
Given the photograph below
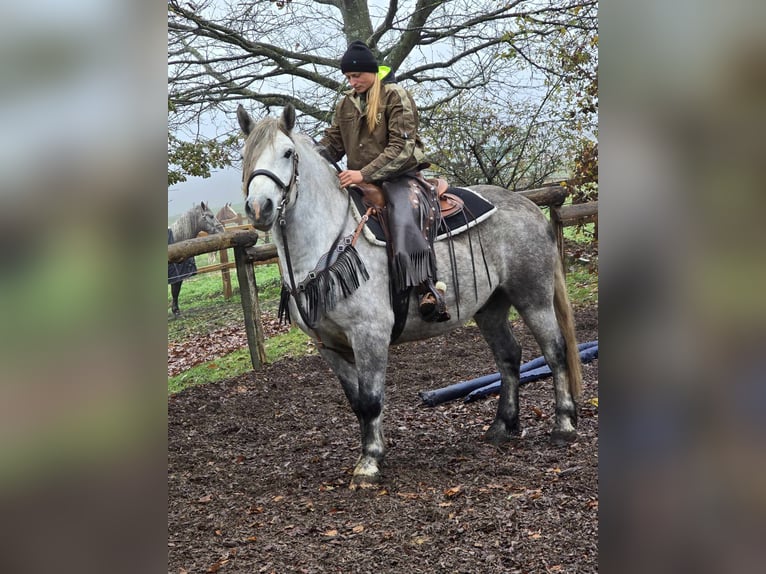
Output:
x=222 y=186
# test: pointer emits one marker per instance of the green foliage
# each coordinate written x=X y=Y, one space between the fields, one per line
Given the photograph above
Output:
x=196 y=158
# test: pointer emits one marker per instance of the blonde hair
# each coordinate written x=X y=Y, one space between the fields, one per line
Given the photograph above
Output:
x=373 y=103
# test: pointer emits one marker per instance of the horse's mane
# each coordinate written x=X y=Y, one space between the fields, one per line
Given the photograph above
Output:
x=183 y=227
x=264 y=133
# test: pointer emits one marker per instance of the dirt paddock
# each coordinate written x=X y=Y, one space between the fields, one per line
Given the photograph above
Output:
x=258 y=468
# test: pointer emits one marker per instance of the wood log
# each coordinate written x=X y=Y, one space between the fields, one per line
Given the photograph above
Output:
x=578 y=213
x=182 y=250
x=261 y=253
x=552 y=195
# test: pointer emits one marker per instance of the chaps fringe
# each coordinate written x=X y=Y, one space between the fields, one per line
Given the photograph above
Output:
x=412 y=270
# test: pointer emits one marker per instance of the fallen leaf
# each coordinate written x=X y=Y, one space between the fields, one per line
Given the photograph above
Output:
x=454 y=491
x=593 y=402
x=206 y=498
x=357 y=529
x=330 y=533
x=408 y=495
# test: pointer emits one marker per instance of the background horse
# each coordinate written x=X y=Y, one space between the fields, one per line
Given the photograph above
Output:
x=198 y=218
x=225 y=215
x=343 y=301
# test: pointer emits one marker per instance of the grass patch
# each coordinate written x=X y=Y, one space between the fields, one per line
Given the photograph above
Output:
x=294 y=343
x=204 y=308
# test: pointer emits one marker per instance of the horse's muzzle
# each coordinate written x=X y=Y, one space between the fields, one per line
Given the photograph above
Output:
x=260 y=214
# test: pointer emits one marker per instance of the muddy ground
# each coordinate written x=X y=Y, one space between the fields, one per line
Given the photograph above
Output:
x=258 y=468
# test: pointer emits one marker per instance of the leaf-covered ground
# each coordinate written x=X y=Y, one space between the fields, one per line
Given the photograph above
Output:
x=258 y=468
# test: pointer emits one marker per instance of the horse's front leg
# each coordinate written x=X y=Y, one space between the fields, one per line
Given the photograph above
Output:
x=175 y=291
x=363 y=382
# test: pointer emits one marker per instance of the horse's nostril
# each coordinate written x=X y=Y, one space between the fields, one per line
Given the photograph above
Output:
x=248 y=209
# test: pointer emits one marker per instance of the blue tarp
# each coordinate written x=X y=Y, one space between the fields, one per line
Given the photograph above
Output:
x=482 y=386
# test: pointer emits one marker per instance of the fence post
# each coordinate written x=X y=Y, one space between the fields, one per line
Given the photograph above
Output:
x=225 y=275
x=558 y=231
x=248 y=292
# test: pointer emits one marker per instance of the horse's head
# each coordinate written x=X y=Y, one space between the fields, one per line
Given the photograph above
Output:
x=207 y=221
x=269 y=166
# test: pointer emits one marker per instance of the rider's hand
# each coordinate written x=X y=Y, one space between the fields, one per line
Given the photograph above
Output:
x=350 y=176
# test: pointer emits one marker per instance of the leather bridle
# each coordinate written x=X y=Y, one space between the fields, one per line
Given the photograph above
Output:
x=284 y=188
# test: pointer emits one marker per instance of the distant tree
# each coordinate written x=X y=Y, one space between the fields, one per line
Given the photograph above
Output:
x=515 y=147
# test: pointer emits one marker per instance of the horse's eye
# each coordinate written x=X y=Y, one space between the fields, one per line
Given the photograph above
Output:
x=288 y=154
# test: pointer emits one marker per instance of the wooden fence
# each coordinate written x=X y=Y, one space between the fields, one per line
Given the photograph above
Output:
x=243 y=239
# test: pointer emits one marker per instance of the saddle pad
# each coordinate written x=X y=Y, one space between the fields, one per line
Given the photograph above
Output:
x=476 y=210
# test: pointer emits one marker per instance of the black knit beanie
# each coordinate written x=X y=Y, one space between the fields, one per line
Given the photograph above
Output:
x=358 y=58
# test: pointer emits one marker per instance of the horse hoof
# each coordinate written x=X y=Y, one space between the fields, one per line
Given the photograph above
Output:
x=363 y=483
x=366 y=474
x=563 y=438
x=498 y=433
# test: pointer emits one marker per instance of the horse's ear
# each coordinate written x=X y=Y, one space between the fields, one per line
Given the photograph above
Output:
x=246 y=123
x=203 y=206
x=287 y=122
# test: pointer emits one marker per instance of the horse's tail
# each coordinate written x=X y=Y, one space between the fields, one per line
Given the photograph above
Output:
x=565 y=318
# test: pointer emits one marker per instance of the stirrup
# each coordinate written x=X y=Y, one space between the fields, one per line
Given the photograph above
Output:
x=432 y=306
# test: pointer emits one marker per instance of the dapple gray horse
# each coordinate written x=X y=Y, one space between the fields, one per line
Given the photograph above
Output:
x=339 y=293
x=187 y=226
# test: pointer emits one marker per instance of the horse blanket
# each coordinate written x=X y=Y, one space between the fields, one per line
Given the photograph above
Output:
x=177 y=272
x=476 y=209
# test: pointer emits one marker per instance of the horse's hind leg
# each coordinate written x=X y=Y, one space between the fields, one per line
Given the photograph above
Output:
x=492 y=321
x=363 y=383
x=175 y=290
x=541 y=321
